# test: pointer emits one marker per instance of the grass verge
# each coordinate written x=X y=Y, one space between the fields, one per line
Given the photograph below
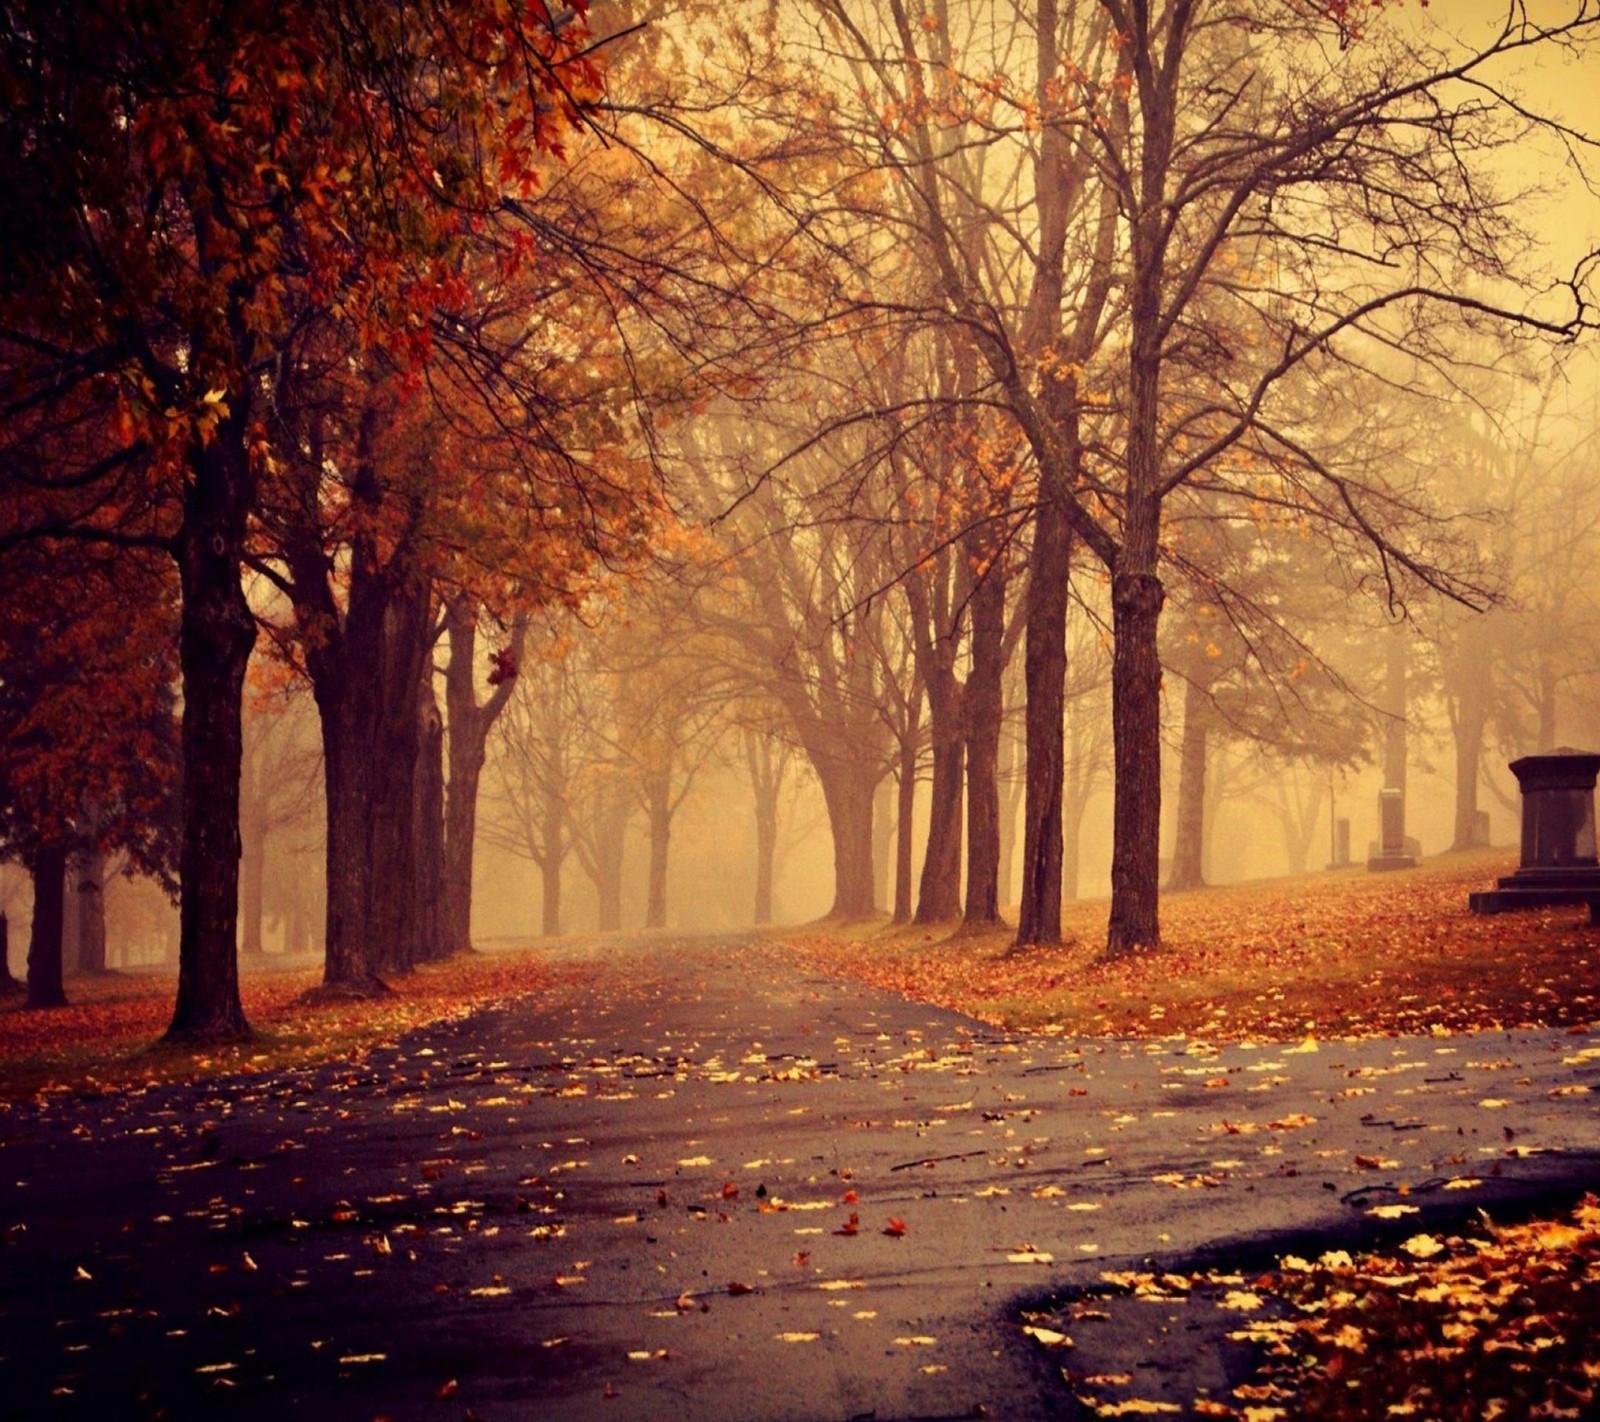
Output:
x=109 y=1036
x=1346 y=953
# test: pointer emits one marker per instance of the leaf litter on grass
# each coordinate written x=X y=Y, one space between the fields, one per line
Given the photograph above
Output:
x=1288 y=960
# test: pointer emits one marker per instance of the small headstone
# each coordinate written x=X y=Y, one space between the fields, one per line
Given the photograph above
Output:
x=1480 y=829
x=1341 y=842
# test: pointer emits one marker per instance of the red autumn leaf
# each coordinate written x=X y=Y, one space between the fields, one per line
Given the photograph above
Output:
x=895 y=1228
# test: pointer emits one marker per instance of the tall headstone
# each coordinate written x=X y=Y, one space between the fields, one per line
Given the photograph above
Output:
x=1392 y=849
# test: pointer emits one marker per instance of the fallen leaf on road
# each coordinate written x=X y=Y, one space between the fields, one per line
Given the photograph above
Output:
x=1392 y=1212
x=1047 y=1336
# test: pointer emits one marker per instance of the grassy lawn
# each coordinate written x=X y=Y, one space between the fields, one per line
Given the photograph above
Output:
x=109 y=1035
x=1333 y=954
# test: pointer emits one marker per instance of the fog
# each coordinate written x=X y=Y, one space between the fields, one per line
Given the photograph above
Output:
x=884 y=504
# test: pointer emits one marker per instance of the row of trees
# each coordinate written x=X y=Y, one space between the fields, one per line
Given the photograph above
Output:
x=420 y=315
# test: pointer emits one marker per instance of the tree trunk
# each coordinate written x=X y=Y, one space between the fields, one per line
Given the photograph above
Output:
x=469 y=725
x=216 y=632
x=1045 y=675
x=349 y=965
x=610 y=846
x=91 y=886
x=984 y=705
x=344 y=696
x=1470 y=727
x=252 y=871
x=848 y=793
x=905 y=809
x=428 y=824
x=882 y=843
x=768 y=764
x=49 y=870
x=554 y=835
x=766 y=846
x=1394 y=705
x=1136 y=599
x=1011 y=788
x=939 y=892
x=659 y=805
x=1188 y=868
x=393 y=843
x=466 y=755
x=1071 y=843
x=1301 y=831
x=1546 y=734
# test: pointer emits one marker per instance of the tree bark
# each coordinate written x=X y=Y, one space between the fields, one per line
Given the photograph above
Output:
x=1012 y=786
x=1545 y=736
x=428 y=824
x=766 y=848
x=766 y=779
x=469 y=725
x=252 y=870
x=848 y=794
x=905 y=810
x=939 y=890
x=883 y=830
x=392 y=922
x=1136 y=599
x=345 y=684
x=1045 y=676
x=216 y=633
x=1394 y=697
x=984 y=705
x=90 y=886
x=1188 y=868
x=610 y=846
x=554 y=834
x=658 y=807
x=1071 y=844
x=48 y=867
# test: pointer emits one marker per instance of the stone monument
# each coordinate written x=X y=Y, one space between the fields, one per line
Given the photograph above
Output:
x=1559 y=864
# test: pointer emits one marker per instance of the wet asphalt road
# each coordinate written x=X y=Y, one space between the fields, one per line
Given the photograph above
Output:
x=694 y=1182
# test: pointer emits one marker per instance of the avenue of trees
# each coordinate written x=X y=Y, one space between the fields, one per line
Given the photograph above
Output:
x=486 y=423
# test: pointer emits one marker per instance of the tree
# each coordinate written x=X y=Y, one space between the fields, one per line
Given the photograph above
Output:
x=88 y=737
x=1238 y=211
x=543 y=740
x=183 y=185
